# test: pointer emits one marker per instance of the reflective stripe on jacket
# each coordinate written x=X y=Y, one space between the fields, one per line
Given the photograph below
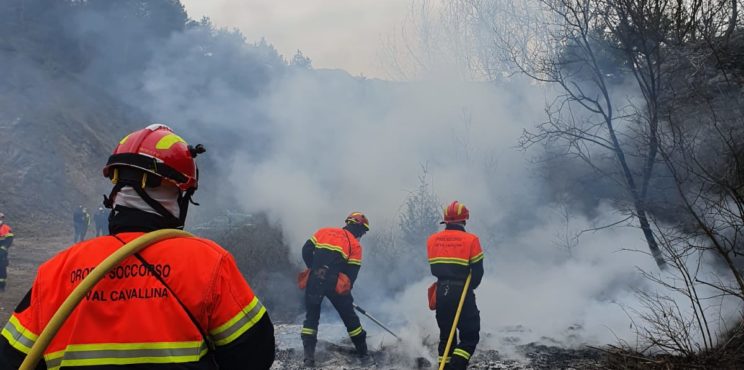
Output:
x=130 y=317
x=331 y=242
x=452 y=252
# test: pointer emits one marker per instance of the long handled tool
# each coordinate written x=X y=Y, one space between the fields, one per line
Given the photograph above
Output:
x=375 y=320
x=87 y=284
x=454 y=323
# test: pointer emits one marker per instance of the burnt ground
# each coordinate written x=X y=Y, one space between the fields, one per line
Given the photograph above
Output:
x=340 y=355
x=332 y=356
x=28 y=252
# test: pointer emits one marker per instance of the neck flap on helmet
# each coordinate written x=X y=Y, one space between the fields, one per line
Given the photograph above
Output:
x=140 y=180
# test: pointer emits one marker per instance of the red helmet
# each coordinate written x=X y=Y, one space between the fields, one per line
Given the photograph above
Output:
x=456 y=212
x=357 y=218
x=157 y=150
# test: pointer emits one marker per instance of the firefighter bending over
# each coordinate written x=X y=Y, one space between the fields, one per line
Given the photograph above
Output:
x=6 y=240
x=453 y=254
x=178 y=304
x=333 y=257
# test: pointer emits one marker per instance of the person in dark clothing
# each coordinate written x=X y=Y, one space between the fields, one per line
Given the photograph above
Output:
x=80 y=221
x=6 y=240
x=453 y=255
x=334 y=254
x=178 y=304
x=101 y=221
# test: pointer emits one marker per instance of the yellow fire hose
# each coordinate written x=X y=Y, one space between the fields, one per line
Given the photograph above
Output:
x=454 y=323
x=59 y=318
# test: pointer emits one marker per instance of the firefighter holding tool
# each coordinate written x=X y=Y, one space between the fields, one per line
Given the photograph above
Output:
x=456 y=260
x=333 y=257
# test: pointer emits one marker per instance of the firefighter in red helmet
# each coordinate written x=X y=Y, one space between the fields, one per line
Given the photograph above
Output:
x=6 y=240
x=333 y=257
x=453 y=254
x=180 y=303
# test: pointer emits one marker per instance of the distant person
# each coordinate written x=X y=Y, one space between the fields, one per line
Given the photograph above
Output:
x=6 y=240
x=86 y=223
x=453 y=255
x=180 y=303
x=334 y=254
x=80 y=220
x=101 y=221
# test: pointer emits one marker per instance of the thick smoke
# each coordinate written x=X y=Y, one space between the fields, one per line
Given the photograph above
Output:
x=359 y=145
x=349 y=144
x=309 y=146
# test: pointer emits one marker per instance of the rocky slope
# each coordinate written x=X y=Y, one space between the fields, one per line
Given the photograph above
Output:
x=55 y=134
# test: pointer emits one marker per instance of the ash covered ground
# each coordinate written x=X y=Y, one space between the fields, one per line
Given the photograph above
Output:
x=336 y=352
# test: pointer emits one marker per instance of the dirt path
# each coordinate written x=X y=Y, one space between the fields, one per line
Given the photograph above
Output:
x=26 y=254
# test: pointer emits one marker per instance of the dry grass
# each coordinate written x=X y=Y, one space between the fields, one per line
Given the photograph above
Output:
x=264 y=259
x=728 y=355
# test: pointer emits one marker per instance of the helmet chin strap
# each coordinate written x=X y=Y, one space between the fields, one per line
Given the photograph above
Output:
x=184 y=198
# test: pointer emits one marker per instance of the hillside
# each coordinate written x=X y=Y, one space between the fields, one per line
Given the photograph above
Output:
x=55 y=134
x=77 y=76
x=291 y=149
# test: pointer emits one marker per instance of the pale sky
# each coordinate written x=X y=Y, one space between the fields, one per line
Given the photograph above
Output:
x=345 y=34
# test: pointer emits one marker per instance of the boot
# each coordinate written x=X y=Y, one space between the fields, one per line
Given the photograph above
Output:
x=457 y=363
x=308 y=344
x=360 y=343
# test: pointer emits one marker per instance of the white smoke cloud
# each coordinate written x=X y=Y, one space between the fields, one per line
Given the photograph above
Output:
x=359 y=145
x=329 y=144
x=349 y=145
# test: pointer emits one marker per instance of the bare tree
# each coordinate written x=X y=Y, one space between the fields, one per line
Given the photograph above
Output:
x=590 y=115
x=706 y=164
x=421 y=214
x=655 y=85
x=434 y=39
x=701 y=144
x=607 y=59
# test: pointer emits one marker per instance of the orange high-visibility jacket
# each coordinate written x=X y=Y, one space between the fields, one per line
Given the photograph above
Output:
x=130 y=317
x=5 y=231
x=340 y=241
x=452 y=253
x=335 y=248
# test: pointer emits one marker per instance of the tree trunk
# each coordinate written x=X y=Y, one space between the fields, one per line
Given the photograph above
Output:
x=638 y=199
x=732 y=18
x=650 y=238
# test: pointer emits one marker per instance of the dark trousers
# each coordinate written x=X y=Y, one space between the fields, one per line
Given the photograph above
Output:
x=468 y=328
x=3 y=267
x=101 y=230
x=80 y=231
x=344 y=304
